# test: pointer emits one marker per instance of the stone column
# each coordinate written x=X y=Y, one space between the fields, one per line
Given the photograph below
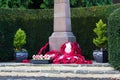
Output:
x=62 y=25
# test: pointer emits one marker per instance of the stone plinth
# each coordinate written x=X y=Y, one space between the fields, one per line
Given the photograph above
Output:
x=58 y=38
x=62 y=25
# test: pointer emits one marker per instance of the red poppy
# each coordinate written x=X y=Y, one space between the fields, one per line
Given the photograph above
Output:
x=70 y=53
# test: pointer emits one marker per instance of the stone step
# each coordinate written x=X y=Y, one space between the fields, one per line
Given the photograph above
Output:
x=58 y=69
x=65 y=71
x=50 y=78
x=40 y=74
x=95 y=70
x=70 y=65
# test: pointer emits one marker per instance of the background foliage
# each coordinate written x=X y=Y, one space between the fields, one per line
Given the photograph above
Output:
x=38 y=26
x=87 y=3
x=22 y=4
x=77 y=3
x=46 y=4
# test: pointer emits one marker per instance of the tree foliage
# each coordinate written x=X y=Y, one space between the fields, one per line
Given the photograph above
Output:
x=47 y=4
x=87 y=3
x=15 y=3
x=77 y=3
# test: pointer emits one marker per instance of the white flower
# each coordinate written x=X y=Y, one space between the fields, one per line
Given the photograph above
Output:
x=68 y=47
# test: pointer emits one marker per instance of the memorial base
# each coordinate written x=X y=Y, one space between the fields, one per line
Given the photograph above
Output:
x=58 y=38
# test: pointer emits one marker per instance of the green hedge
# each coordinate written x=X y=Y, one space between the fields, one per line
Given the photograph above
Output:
x=84 y=21
x=114 y=39
x=38 y=26
x=36 y=23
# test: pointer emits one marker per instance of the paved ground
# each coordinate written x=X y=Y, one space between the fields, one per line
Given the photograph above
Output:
x=48 y=78
x=95 y=71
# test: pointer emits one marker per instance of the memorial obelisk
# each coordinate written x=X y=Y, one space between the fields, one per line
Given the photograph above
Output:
x=62 y=25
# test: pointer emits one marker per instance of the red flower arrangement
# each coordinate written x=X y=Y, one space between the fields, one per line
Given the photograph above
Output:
x=70 y=53
x=41 y=57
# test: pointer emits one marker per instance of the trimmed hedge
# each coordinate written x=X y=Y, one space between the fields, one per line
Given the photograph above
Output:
x=38 y=26
x=36 y=23
x=84 y=21
x=114 y=39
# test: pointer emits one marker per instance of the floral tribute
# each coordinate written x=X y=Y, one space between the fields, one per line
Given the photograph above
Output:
x=41 y=57
x=70 y=53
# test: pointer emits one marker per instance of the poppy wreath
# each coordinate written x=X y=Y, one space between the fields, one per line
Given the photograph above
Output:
x=71 y=48
x=44 y=49
x=68 y=59
x=53 y=54
x=70 y=53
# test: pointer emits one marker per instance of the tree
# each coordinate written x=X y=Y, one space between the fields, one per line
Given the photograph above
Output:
x=19 y=39
x=49 y=3
x=101 y=32
x=87 y=3
x=15 y=4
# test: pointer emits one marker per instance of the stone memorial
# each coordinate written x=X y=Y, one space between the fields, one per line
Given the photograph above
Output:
x=62 y=25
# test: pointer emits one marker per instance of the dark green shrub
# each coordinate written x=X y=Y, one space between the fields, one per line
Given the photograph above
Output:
x=114 y=38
